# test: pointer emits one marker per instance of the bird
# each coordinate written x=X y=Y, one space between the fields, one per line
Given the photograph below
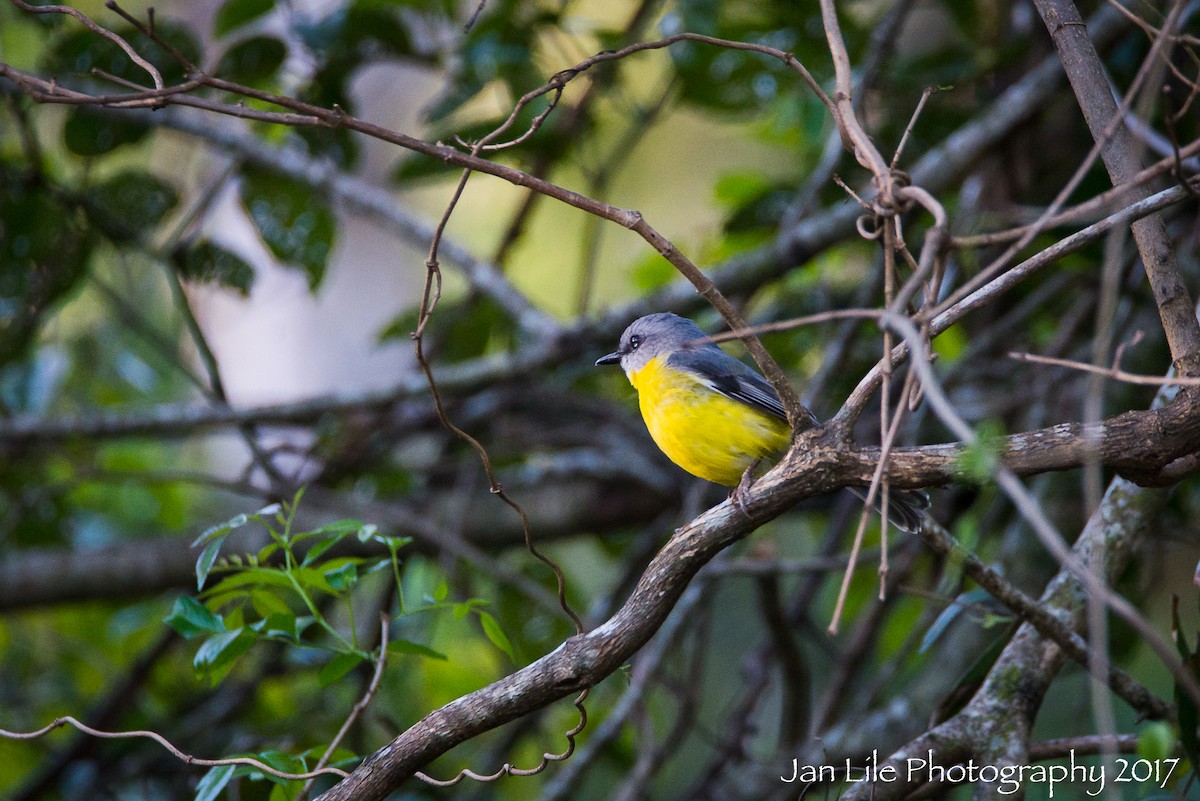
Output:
x=712 y=414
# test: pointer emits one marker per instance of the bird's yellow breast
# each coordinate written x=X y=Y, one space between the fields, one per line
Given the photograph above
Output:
x=704 y=432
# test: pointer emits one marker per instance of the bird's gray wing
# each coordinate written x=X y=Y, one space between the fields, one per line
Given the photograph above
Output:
x=721 y=372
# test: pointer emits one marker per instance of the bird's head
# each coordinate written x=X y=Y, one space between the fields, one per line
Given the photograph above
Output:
x=650 y=336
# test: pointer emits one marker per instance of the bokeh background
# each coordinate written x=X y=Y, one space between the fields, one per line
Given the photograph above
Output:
x=204 y=314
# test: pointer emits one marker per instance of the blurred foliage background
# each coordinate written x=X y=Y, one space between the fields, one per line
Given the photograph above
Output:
x=201 y=315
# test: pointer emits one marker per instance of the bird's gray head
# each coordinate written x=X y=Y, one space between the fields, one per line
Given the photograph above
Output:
x=654 y=335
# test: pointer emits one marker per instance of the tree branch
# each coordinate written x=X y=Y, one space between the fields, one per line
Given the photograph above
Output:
x=1086 y=75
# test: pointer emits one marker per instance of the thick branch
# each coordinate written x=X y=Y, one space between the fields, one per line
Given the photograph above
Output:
x=581 y=661
x=1086 y=73
x=1139 y=445
x=809 y=468
x=1047 y=625
x=994 y=726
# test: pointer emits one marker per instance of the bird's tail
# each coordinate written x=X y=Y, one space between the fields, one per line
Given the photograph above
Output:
x=906 y=508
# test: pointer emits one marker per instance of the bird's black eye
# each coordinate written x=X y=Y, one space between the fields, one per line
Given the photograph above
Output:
x=634 y=341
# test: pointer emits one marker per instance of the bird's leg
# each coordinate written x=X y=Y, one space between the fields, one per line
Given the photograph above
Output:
x=738 y=496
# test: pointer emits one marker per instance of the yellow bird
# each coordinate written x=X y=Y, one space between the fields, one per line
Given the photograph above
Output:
x=708 y=412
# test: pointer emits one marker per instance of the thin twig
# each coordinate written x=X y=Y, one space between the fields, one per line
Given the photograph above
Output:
x=67 y=720
x=429 y=300
x=912 y=123
x=1029 y=508
x=1092 y=209
x=1108 y=372
x=149 y=68
x=359 y=707
x=1048 y=625
x=1009 y=279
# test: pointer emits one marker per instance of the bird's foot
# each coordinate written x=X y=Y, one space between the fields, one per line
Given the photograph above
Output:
x=738 y=496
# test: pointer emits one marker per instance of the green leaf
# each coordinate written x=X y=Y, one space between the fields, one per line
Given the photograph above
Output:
x=313 y=579
x=274 y=508
x=191 y=618
x=392 y=543
x=222 y=529
x=337 y=667
x=267 y=603
x=248 y=578
x=45 y=249
x=763 y=211
x=207 y=263
x=207 y=558
x=332 y=534
x=216 y=655
x=236 y=13
x=496 y=634
x=358 y=31
x=342 y=578
x=1156 y=741
x=130 y=202
x=951 y=345
x=395 y=543
x=282 y=790
x=413 y=169
x=283 y=625
x=440 y=592
x=213 y=782
x=314 y=553
x=337 y=145
x=345 y=526
x=399 y=327
x=82 y=51
x=342 y=757
x=266 y=552
x=499 y=47
x=979 y=460
x=652 y=272
x=371 y=532
x=735 y=189
x=254 y=61
x=214 y=538
x=414 y=649
x=296 y=225
x=727 y=80
x=965 y=17
x=472 y=328
x=282 y=761
x=89 y=134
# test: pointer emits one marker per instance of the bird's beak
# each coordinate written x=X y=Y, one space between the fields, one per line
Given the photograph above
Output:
x=612 y=358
